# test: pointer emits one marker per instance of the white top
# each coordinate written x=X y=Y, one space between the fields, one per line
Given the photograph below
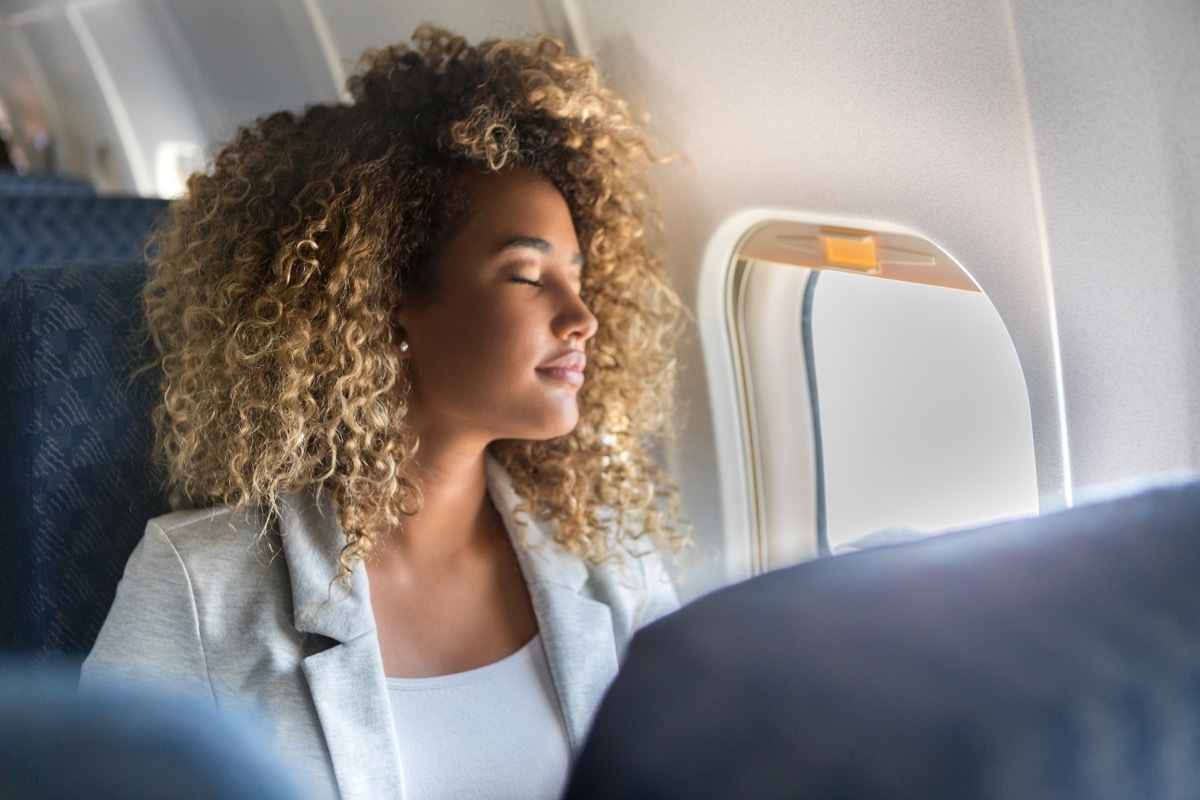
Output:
x=492 y=732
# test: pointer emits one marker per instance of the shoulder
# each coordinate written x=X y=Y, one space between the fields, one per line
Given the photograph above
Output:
x=202 y=529
x=192 y=573
x=215 y=540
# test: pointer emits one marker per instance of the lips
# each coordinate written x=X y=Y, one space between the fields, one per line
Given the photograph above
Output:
x=567 y=368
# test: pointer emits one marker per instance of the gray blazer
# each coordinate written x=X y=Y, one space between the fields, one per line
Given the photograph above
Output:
x=213 y=604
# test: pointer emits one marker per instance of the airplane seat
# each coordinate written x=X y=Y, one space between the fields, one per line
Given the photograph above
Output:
x=1050 y=657
x=38 y=183
x=126 y=742
x=39 y=229
x=78 y=485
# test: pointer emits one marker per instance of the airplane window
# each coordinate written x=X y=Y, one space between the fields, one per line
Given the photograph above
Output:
x=923 y=413
x=883 y=398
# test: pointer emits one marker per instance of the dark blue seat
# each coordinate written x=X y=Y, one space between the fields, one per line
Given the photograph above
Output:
x=39 y=183
x=58 y=229
x=1056 y=657
x=74 y=450
x=132 y=743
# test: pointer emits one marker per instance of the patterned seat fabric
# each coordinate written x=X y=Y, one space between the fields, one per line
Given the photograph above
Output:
x=45 y=229
x=75 y=444
x=42 y=183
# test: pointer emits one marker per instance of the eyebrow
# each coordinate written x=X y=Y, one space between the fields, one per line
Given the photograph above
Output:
x=535 y=243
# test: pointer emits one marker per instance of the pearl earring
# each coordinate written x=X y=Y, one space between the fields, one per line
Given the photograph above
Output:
x=404 y=346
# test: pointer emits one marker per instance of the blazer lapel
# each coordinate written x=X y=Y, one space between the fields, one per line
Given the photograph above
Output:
x=576 y=630
x=350 y=694
x=581 y=650
x=343 y=665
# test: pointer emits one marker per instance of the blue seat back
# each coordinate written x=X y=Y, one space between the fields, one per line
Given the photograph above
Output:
x=59 y=229
x=128 y=742
x=75 y=445
x=1053 y=657
x=28 y=183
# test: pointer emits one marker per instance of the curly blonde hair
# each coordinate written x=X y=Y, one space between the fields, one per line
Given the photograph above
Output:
x=271 y=287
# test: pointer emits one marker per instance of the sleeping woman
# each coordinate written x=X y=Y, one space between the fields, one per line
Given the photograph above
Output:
x=415 y=354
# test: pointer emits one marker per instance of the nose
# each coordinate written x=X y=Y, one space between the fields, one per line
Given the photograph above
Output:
x=575 y=320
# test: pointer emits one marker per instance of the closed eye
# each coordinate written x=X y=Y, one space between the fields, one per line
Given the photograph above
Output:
x=524 y=280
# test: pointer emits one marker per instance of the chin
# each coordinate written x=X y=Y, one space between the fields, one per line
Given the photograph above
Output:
x=559 y=432
x=549 y=429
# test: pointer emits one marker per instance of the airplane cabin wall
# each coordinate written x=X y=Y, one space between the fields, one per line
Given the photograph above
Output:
x=1052 y=151
x=1114 y=97
x=910 y=114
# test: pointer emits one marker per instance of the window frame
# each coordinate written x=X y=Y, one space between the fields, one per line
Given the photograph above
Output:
x=746 y=546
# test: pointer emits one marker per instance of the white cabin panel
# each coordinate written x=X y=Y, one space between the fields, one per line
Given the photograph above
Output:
x=360 y=25
x=146 y=97
x=246 y=59
x=1114 y=97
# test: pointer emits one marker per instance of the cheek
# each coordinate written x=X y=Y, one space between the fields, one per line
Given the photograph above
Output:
x=499 y=331
x=482 y=348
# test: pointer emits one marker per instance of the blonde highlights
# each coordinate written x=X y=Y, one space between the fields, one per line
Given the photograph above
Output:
x=271 y=289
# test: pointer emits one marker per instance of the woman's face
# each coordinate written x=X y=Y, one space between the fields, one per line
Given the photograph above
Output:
x=497 y=353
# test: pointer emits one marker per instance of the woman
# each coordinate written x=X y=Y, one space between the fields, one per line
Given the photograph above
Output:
x=415 y=352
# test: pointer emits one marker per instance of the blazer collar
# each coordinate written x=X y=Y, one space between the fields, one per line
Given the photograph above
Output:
x=312 y=540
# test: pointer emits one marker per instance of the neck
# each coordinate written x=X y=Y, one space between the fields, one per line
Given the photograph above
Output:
x=456 y=513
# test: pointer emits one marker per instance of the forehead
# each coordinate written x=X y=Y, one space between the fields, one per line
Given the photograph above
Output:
x=502 y=206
